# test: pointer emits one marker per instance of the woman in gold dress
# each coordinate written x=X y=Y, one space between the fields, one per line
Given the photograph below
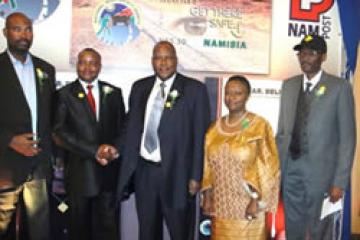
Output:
x=241 y=169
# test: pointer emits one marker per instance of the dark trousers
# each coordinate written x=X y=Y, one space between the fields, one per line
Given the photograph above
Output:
x=303 y=202
x=152 y=209
x=93 y=218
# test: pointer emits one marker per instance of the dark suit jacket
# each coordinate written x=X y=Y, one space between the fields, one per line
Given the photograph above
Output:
x=16 y=119
x=81 y=135
x=181 y=134
x=331 y=131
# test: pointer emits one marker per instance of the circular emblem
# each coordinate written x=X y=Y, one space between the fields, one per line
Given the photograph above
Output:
x=37 y=10
x=116 y=23
x=205 y=227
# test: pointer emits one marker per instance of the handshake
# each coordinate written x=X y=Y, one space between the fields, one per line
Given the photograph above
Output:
x=105 y=154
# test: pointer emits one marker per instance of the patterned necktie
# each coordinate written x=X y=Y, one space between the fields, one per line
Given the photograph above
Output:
x=151 y=136
x=90 y=98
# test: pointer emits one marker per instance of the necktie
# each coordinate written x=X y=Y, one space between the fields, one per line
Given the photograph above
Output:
x=308 y=86
x=151 y=136
x=90 y=98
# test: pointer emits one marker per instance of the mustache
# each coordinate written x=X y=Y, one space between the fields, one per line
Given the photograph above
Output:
x=305 y=63
x=24 y=41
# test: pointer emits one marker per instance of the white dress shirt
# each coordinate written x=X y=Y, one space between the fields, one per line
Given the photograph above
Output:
x=155 y=156
x=313 y=81
x=96 y=93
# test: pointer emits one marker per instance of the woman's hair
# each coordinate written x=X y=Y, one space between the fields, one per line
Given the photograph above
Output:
x=243 y=80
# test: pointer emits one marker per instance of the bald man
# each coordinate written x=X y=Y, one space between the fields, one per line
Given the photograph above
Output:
x=27 y=84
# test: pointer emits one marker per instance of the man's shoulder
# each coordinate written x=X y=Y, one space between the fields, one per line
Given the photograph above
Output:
x=143 y=81
x=68 y=87
x=41 y=62
x=190 y=82
x=4 y=57
x=334 y=79
x=293 y=79
x=108 y=87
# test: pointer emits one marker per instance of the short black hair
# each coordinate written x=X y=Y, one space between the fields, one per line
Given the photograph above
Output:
x=88 y=49
x=242 y=80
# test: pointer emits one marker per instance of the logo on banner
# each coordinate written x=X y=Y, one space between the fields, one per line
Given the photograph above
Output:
x=116 y=22
x=205 y=227
x=37 y=10
x=310 y=16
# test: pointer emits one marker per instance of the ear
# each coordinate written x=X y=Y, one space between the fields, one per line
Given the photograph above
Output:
x=323 y=57
x=5 y=32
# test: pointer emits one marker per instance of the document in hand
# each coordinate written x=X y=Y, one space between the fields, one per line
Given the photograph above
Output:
x=329 y=207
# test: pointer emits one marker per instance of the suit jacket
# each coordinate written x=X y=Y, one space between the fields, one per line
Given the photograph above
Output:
x=181 y=134
x=331 y=130
x=16 y=119
x=81 y=134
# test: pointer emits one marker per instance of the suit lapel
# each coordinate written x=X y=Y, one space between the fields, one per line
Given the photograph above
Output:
x=39 y=88
x=178 y=85
x=315 y=98
x=145 y=96
x=81 y=97
x=101 y=100
x=293 y=99
x=13 y=79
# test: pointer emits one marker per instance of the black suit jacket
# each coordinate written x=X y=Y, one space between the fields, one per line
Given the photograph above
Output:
x=16 y=119
x=81 y=135
x=181 y=134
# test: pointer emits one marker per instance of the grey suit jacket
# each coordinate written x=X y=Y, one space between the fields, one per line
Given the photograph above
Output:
x=331 y=130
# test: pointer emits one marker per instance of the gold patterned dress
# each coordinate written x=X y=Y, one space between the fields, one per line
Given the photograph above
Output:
x=234 y=160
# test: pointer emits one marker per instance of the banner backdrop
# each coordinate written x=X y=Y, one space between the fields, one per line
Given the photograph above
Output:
x=213 y=38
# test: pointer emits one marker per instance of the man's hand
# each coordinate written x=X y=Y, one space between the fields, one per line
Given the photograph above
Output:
x=105 y=154
x=335 y=194
x=194 y=187
x=25 y=145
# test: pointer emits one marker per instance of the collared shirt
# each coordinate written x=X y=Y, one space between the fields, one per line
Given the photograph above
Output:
x=313 y=81
x=95 y=91
x=26 y=75
x=155 y=156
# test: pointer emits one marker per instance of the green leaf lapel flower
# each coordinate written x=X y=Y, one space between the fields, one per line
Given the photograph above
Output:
x=171 y=99
x=41 y=76
x=321 y=91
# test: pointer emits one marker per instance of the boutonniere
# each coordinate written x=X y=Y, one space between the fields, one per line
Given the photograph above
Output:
x=321 y=91
x=81 y=95
x=245 y=123
x=107 y=90
x=42 y=76
x=173 y=96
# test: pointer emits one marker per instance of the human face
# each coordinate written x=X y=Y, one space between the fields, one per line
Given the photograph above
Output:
x=19 y=34
x=88 y=66
x=236 y=96
x=310 y=61
x=164 y=60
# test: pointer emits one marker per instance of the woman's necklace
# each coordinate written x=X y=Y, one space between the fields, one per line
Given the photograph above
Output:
x=234 y=124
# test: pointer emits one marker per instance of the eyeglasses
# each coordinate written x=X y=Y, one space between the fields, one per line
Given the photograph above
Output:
x=308 y=53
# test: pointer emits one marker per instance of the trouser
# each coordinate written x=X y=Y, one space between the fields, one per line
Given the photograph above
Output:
x=303 y=203
x=153 y=211
x=35 y=202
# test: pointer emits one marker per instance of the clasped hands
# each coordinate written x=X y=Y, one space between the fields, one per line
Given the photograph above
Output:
x=105 y=154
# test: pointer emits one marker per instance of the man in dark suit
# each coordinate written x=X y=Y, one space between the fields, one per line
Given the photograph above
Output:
x=167 y=119
x=316 y=141
x=89 y=120
x=27 y=84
